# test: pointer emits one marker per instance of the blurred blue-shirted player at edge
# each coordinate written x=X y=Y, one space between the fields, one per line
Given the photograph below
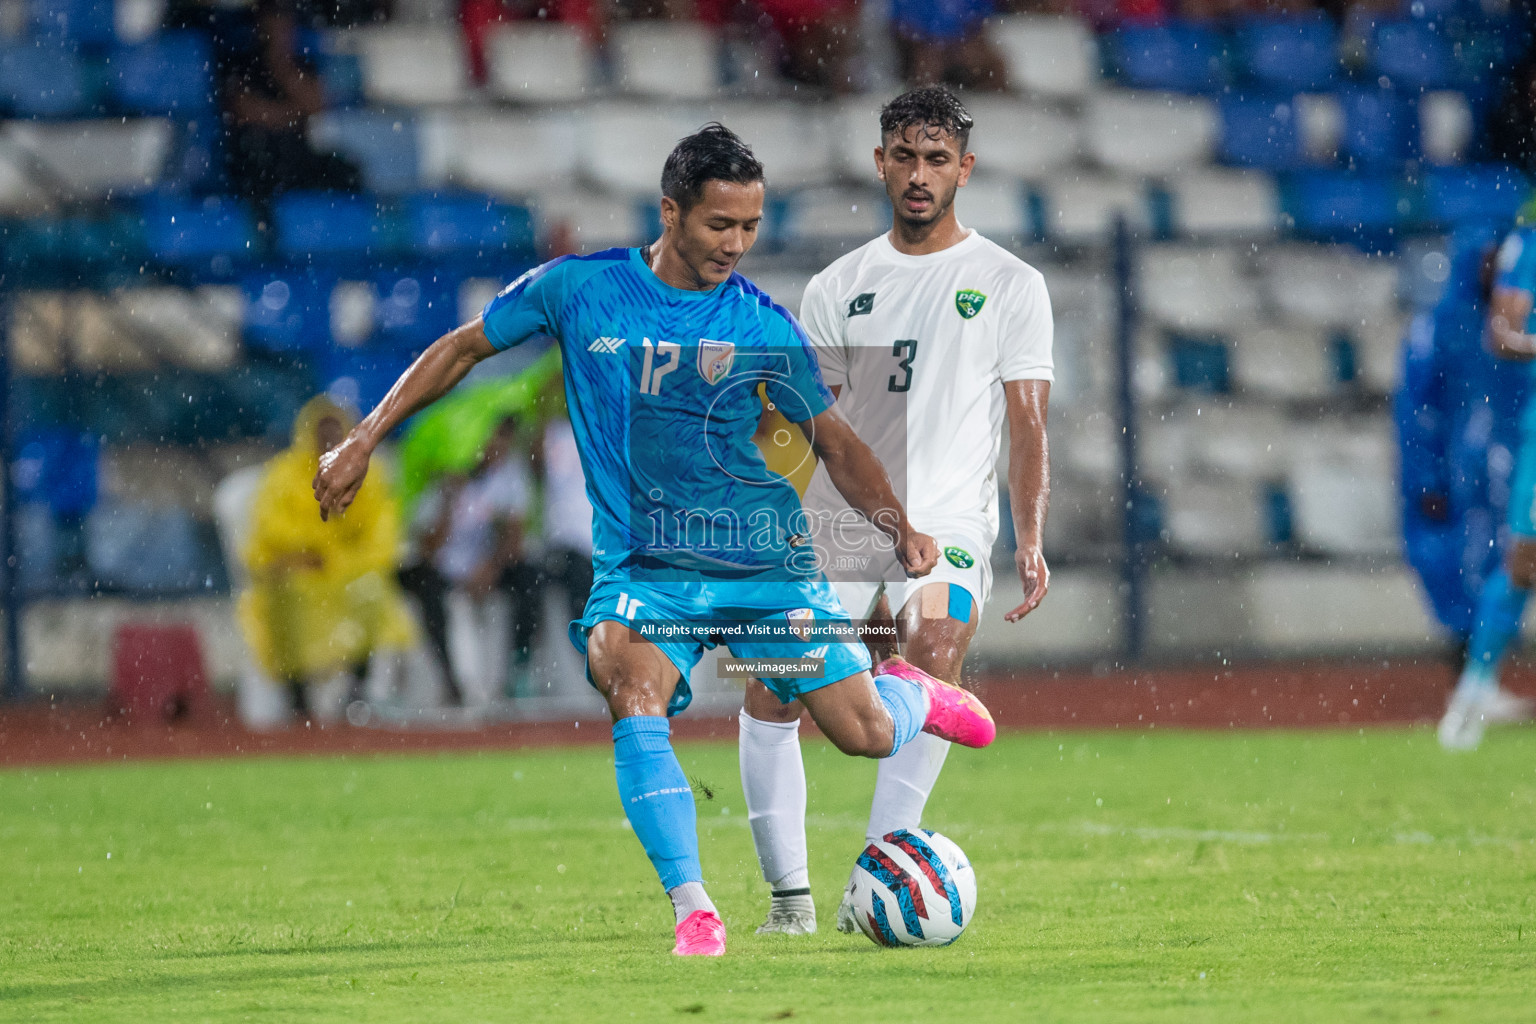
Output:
x=1477 y=699
x=694 y=540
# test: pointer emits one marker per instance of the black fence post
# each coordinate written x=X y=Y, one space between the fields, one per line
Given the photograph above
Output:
x=1132 y=554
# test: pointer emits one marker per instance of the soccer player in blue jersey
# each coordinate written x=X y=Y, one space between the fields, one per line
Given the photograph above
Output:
x=695 y=542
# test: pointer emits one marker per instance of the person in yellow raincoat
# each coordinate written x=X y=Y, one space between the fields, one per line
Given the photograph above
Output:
x=322 y=595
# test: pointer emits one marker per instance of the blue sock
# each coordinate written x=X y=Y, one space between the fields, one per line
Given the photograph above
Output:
x=907 y=705
x=1499 y=609
x=657 y=798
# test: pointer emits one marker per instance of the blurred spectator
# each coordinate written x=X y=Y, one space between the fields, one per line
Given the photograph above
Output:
x=471 y=534
x=480 y=18
x=818 y=39
x=945 y=41
x=269 y=92
x=322 y=597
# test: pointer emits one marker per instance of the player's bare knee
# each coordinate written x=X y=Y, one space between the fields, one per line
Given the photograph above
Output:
x=760 y=703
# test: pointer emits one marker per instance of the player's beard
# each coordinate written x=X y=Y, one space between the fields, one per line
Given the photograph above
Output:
x=939 y=205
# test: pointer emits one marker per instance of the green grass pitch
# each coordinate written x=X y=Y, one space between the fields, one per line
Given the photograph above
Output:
x=1147 y=877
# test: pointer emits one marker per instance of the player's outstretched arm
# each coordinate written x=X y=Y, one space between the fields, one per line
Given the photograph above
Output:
x=430 y=377
x=860 y=478
x=1029 y=486
x=1510 y=309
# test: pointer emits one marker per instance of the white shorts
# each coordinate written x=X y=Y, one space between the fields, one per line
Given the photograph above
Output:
x=963 y=563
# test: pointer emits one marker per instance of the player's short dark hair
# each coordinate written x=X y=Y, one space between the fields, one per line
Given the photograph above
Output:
x=713 y=153
x=932 y=109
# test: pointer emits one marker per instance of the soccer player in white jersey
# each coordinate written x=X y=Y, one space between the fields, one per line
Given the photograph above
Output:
x=929 y=335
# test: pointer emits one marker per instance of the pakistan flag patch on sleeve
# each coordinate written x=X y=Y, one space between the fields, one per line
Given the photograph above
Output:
x=959 y=557
x=969 y=302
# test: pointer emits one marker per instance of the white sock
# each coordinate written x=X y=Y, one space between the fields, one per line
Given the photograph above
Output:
x=688 y=897
x=773 y=780
x=903 y=783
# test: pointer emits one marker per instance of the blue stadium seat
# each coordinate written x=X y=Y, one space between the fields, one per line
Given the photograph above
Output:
x=57 y=467
x=42 y=79
x=1176 y=56
x=1413 y=54
x=362 y=376
x=1260 y=132
x=1298 y=54
x=468 y=226
x=382 y=143
x=1491 y=192
x=415 y=309
x=1345 y=207
x=214 y=233
x=88 y=22
x=169 y=76
x=331 y=226
x=287 y=310
x=1379 y=127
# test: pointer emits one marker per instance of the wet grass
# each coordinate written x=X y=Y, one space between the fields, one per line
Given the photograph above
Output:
x=1147 y=877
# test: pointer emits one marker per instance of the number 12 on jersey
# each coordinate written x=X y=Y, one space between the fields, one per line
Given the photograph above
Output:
x=652 y=372
x=907 y=350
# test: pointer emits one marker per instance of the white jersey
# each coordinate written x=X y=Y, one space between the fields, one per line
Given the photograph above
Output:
x=921 y=346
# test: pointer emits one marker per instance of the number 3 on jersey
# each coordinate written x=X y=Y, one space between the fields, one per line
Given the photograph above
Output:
x=652 y=372
x=907 y=350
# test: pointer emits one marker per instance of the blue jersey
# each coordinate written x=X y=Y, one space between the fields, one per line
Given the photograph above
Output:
x=662 y=389
x=1517 y=266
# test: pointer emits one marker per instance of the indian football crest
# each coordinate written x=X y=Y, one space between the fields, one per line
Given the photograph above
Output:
x=969 y=302
x=715 y=359
x=802 y=623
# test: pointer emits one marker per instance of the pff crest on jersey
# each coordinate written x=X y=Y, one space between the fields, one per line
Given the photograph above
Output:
x=969 y=302
x=715 y=359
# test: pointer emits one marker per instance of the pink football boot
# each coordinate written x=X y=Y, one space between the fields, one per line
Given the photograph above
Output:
x=701 y=934
x=953 y=714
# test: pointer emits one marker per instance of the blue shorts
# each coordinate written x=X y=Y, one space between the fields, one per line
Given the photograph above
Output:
x=754 y=620
x=1522 y=487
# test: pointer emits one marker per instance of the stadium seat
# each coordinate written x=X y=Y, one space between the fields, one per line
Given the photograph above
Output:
x=1047 y=55
x=1260 y=132
x=170 y=75
x=1025 y=140
x=532 y=62
x=1295 y=54
x=998 y=208
x=142 y=547
x=361 y=376
x=1378 y=350
x=198 y=329
x=582 y=221
x=623 y=145
x=58 y=468
x=42 y=79
x=327 y=225
x=77 y=22
x=216 y=232
x=1178 y=56
x=1343 y=492
x=158 y=673
x=1415 y=55
x=1328 y=286
x=415 y=308
x=1284 y=363
x=1377 y=124
x=90 y=160
x=415 y=65
x=1320 y=126
x=1316 y=607
x=1083 y=207
x=667 y=59
x=1338 y=206
x=136 y=20
x=1149 y=133
x=1215 y=201
x=1216 y=519
x=1196 y=288
x=793 y=141
x=501 y=153
x=1446 y=127
x=844 y=215
x=287 y=311
x=1238 y=440
x=1487 y=192
x=383 y=144
x=466 y=225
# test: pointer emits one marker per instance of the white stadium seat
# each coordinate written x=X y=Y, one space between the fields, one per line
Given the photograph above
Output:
x=996 y=208
x=539 y=62
x=623 y=145
x=590 y=220
x=786 y=288
x=1220 y=201
x=1082 y=207
x=668 y=59
x=82 y=160
x=1332 y=286
x=1343 y=489
x=503 y=153
x=416 y=65
x=1022 y=139
x=1215 y=518
x=1197 y=289
x=1150 y=132
x=1239 y=441
x=1048 y=55
x=849 y=215
x=1320 y=125
x=1287 y=363
x=1446 y=126
x=1378 y=351
x=793 y=140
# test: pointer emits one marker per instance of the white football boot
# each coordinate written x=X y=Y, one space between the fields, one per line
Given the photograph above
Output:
x=1505 y=708
x=846 y=922
x=790 y=914
x=1461 y=727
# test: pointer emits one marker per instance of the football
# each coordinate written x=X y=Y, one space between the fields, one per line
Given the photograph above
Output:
x=913 y=888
